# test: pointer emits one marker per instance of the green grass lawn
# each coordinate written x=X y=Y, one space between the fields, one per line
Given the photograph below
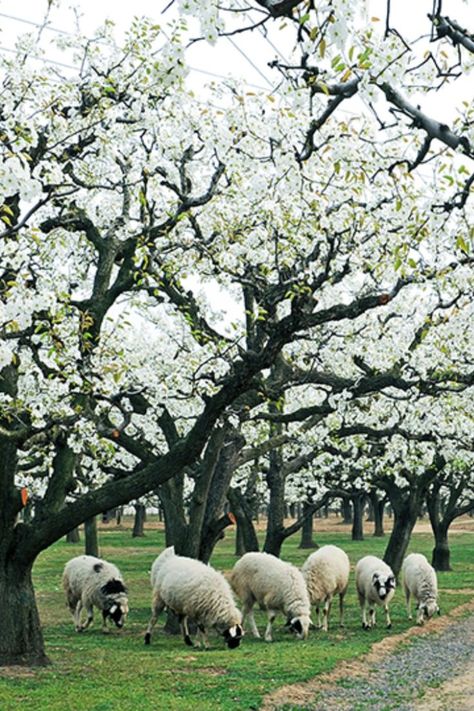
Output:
x=116 y=672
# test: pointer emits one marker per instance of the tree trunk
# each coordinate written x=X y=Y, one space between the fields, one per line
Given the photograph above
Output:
x=216 y=515
x=358 y=519
x=246 y=539
x=239 y=541
x=346 y=510
x=21 y=638
x=441 y=557
x=107 y=516
x=139 y=521
x=275 y=534
x=90 y=534
x=73 y=536
x=403 y=524
x=378 y=506
x=307 y=531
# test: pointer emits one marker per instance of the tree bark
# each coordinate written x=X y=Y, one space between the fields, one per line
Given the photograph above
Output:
x=246 y=538
x=404 y=521
x=346 y=510
x=21 y=638
x=358 y=518
x=73 y=536
x=307 y=530
x=378 y=506
x=139 y=521
x=442 y=512
x=216 y=519
x=441 y=556
x=91 y=538
x=275 y=534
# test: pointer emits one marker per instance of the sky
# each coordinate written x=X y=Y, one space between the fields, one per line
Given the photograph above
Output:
x=239 y=57
x=244 y=55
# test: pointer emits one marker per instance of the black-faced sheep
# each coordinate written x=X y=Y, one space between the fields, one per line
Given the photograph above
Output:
x=195 y=591
x=419 y=581
x=276 y=586
x=89 y=582
x=375 y=583
x=326 y=573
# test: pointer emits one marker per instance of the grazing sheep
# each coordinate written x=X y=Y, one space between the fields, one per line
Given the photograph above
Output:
x=326 y=572
x=375 y=584
x=277 y=587
x=196 y=591
x=419 y=581
x=90 y=581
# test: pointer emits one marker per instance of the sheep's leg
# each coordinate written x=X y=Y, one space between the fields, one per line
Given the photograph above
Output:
x=341 y=608
x=318 y=612
x=247 y=614
x=77 y=616
x=363 y=609
x=372 y=616
x=183 y=621
x=202 y=632
x=387 y=617
x=408 y=599
x=326 y=610
x=268 y=632
x=157 y=606
x=90 y=616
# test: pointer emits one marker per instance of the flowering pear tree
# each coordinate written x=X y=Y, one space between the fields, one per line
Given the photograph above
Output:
x=129 y=207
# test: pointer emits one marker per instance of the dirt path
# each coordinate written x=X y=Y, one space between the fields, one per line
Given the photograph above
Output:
x=457 y=694
x=364 y=671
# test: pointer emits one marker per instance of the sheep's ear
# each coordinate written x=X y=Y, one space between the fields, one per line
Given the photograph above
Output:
x=391 y=582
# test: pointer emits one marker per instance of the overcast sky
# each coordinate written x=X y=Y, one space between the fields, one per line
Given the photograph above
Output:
x=243 y=56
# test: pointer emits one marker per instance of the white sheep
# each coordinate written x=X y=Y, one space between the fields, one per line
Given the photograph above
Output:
x=419 y=581
x=193 y=590
x=90 y=581
x=326 y=573
x=277 y=587
x=375 y=583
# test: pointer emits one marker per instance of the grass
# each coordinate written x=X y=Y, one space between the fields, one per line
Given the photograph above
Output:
x=116 y=672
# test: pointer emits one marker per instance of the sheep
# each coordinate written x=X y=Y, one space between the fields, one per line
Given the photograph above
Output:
x=375 y=583
x=194 y=590
x=326 y=573
x=277 y=587
x=419 y=581
x=90 y=581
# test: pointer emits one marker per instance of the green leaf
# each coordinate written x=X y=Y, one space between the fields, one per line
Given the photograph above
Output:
x=462 y=244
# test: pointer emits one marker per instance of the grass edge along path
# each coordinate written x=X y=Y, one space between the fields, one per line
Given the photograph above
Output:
x=303 y=695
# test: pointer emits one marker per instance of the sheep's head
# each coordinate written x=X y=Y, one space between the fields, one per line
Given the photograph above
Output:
x=115 y=603
x=299 y=625
x=233 y=636
x=384 y=584
x=426 y=610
